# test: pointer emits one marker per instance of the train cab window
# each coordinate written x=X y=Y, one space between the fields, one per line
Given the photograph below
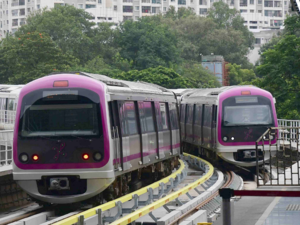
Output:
x=161 y=116
x=128 y=118
x=245 y=111
x=64 y=112
x=2 y=103
x=189 y=113
x=146 y=117
x=198 y=115
x=173 y=116
x=11 y=104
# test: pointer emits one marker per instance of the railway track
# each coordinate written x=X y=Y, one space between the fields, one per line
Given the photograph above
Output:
x=143 y=202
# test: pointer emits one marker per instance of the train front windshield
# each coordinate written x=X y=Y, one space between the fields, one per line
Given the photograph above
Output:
x=60 y=113
x=247 y=111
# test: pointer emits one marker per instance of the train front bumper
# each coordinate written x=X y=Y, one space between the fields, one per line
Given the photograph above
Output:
x=94 y=187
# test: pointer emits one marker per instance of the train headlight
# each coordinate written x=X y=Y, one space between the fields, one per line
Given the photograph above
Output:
x=24 y=157
x=225 y=138
x=232 y=138
x=85 y=156
x=97 y=156
x=35 y=157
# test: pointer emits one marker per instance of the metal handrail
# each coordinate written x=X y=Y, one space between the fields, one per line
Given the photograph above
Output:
x=7 y=117
x=6 y=137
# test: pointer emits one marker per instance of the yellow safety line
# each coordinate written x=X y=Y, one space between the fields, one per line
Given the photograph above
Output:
x=159 y=203
x=91 y=212
x=147 y=209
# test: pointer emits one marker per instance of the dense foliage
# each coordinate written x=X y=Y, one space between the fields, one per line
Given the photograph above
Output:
x=163 y=49
x=237 y=75
x=30 y=56
x=279 y=69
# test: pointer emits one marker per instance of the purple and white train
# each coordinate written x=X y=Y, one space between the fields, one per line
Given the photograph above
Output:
x=226 y=122
x=86 y=136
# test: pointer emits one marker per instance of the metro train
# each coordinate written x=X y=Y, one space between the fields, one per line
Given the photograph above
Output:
x=87 y=136
x=226 y=122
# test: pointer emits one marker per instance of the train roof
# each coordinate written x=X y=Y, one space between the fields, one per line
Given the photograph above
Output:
x=115 y=85
x=10 y=89
x=211 y=92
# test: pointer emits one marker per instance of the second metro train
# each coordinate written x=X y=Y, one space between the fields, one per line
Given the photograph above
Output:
x=226 y=122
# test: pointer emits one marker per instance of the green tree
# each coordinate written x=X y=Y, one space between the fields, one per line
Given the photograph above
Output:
x=199 y=76
x=180 y=13
x=226 y=36
x=227 y=18
x=147 y=43
x=281 y=71
x=162 y=76
x=70 y=28
x=31 y=56
x=237 y=75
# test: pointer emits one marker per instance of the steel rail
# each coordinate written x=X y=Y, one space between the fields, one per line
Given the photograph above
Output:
x=109 y=205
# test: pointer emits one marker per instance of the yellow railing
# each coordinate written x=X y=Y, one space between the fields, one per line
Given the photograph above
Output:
x=147 y=209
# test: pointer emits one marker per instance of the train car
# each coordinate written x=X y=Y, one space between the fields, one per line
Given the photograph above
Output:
x=8 y=104
x=86 y=136
x=226 y=122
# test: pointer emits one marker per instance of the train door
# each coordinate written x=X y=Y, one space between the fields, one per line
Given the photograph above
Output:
x=207 y=121
x=164 y=134
x=214 y=126
x=182 y=121
x=131 y=145
x=189 y=122
x=115 y=135
x=174 y=128
x=198 y=125
x=149 y=138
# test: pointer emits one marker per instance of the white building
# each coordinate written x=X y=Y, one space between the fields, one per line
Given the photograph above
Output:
x=259 y=15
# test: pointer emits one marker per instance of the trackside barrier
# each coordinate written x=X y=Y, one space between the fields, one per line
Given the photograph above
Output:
x=178 y=175
x=227 y=193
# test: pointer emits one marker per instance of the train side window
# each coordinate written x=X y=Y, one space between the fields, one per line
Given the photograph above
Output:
x=2 y=103
x=182 y=113
x=207 y=116
x=161 y=116
x=142 y=117
x=123 y=122
x=149 y=116
x=198 y=115
x=146 y=117
x=130 y=118
x=189 y=114
x=173 y=116
x=11 y=103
